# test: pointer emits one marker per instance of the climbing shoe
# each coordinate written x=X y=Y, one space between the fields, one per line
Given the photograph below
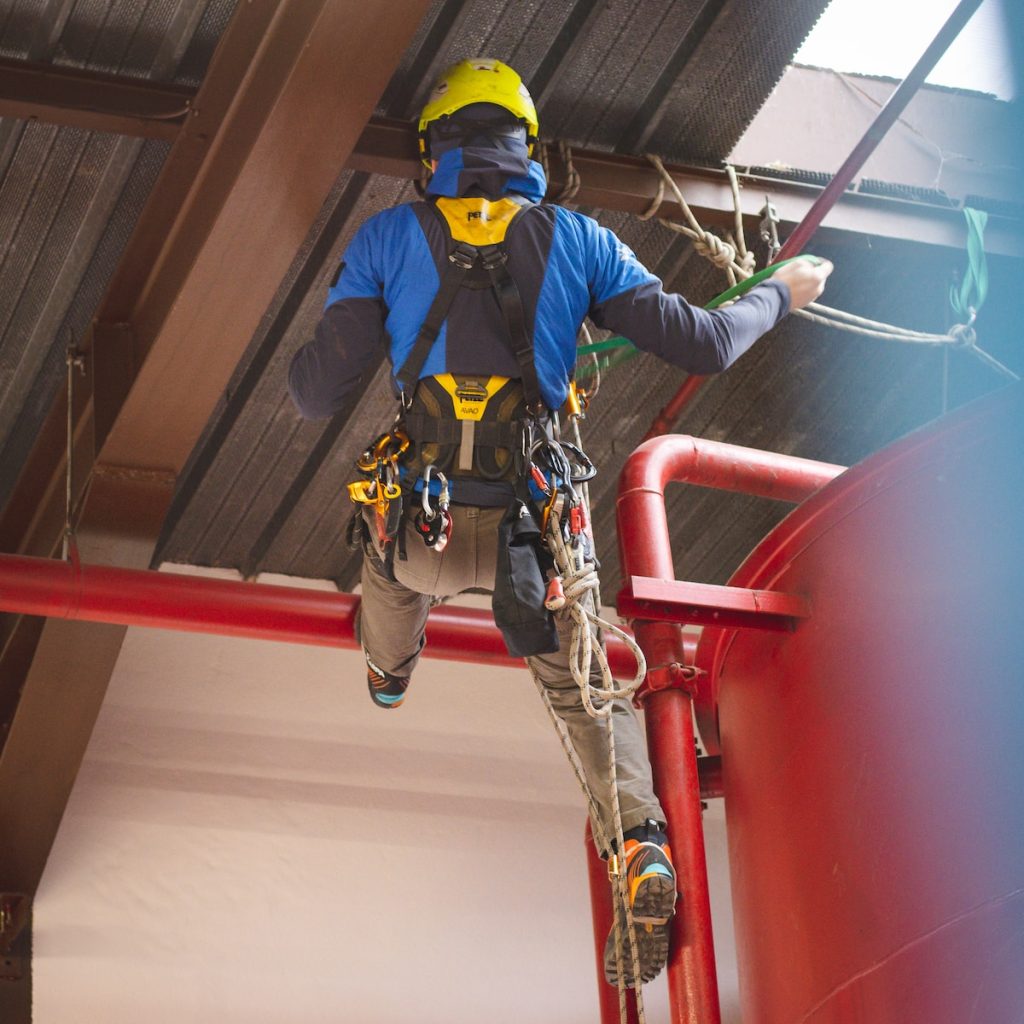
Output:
x=386 y=690
x=651 y=884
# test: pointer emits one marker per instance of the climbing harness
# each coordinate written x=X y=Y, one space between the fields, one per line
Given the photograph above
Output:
x=470 y=429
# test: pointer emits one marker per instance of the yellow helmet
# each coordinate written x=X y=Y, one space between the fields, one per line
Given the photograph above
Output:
x=480 y=80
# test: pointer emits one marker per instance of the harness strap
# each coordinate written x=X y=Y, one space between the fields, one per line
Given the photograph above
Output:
x=426 y=429
x=515 y=321
x=461 y=260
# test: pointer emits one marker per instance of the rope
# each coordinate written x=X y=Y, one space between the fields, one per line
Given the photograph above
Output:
x=572 y=176
x=732 y=257
x=595 y=372
x=75 y=361
x=573 y=181
x=581 y=590
x=739 y=264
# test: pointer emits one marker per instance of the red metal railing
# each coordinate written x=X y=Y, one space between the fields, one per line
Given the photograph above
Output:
x=136 y=597
x=646 y=551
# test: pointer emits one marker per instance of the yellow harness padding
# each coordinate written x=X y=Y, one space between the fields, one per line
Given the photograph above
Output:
x=479 y=221
x=470 y=395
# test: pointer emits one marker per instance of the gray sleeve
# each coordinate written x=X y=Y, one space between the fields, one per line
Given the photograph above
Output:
x=324 y=372
x=697 y=340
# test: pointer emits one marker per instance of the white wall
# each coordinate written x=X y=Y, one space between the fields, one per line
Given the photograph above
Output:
x=250 y=840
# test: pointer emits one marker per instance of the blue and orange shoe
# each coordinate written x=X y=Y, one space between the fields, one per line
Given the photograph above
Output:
x=651 y=883
x=386 y=690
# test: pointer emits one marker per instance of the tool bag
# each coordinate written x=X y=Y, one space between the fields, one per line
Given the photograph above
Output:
x=520 y=584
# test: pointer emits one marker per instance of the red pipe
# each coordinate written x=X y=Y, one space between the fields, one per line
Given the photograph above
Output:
x=643 y=522
x=645 y=550
x=884 y=120
x=136 y=597
x=669 y=416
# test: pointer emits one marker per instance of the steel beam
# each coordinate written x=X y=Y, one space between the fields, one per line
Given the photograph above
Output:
x=610 y=181
x=94 y=101
x=237 y=196
x=131 y=106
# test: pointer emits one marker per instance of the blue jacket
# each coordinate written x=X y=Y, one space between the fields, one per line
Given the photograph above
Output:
x=566 y=267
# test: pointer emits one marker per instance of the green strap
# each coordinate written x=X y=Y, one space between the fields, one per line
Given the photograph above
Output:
x=968 y=298
x=727 y=296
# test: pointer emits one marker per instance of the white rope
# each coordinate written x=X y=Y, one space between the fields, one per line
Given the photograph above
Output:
x=581 y=589
x=579 y=580
x=732 y=258
x=739 y=264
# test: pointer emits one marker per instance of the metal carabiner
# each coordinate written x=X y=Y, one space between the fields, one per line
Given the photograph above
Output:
x=443 y=498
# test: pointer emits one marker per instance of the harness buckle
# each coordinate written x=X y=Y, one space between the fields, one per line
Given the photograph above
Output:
x=463 y=256
x=494 y=259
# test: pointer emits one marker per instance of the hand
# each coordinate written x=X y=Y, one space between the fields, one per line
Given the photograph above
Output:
x=805 y=280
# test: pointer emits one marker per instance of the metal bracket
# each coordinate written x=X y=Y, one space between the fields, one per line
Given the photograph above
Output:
x=673 y=676
x=14 y=915
x=703 y=604
x=769 y=227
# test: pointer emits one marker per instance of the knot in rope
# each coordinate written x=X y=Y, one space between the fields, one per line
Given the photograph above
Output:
x=963 y=335
x=747 y=263
x=717 y=250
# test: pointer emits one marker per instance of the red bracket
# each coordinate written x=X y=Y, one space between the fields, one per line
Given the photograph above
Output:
x=705 y=605
x=673 y=676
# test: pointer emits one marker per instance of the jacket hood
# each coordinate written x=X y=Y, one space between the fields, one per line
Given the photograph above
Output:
x=492 y=170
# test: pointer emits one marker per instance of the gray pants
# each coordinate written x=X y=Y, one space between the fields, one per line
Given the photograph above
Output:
x=392 y=623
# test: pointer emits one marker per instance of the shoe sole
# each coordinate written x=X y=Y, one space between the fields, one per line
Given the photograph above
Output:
x=655 y=902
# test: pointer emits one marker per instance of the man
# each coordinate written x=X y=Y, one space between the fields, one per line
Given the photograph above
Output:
x=477 y=295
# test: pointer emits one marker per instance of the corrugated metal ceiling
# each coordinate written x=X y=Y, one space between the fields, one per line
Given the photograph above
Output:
x=264 y=490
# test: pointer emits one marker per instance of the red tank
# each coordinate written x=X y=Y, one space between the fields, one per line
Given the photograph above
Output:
x=873 y=758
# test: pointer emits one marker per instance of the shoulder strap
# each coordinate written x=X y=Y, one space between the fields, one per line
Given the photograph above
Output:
x=511 y=303
x=461 y=258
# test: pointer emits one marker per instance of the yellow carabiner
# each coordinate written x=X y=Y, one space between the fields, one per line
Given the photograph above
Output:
x=363 y=492
x=386 y=494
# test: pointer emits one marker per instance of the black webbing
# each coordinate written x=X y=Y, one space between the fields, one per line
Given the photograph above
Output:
x=460 y=262
x=522 y=344
x=425 y=429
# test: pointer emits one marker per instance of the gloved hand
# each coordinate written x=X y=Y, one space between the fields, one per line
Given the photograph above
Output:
x=805 y=280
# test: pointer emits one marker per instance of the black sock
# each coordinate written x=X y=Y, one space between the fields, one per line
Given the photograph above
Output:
x=650 y=831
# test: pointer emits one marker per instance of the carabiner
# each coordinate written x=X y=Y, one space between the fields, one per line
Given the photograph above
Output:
x=443 y=498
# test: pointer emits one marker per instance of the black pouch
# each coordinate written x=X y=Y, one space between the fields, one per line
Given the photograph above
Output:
x=520 y=587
